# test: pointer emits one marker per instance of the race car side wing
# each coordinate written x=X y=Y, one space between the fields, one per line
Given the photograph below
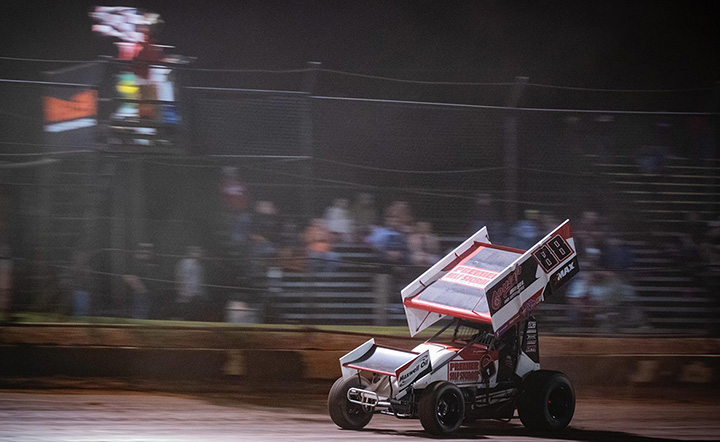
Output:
x=522 y=285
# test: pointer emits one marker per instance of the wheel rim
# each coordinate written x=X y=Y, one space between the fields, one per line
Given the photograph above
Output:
x=558 y=403
x=354 y=410
x=448 y=409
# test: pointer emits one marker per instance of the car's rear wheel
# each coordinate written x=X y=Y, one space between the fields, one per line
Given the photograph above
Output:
x=547 y=401
x=441 y=408
x=344 y=413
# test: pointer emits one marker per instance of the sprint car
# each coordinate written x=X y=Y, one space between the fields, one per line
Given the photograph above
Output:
x=484 y=362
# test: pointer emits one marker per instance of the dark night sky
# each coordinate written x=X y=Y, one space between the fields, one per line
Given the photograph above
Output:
x=594 y=44
x=649 y=44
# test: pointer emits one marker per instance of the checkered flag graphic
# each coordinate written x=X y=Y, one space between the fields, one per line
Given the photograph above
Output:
x=121 y=22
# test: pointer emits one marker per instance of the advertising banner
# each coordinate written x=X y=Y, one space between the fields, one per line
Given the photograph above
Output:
x=70 y=112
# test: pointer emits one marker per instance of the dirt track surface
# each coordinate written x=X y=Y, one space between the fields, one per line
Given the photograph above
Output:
x=53 y=415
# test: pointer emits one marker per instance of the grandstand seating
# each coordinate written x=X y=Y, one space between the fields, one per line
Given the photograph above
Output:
x=348 y=296
x=671 y=300
x=658 y=205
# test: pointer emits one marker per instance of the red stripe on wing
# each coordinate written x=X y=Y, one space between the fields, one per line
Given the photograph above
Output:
x=447 y=310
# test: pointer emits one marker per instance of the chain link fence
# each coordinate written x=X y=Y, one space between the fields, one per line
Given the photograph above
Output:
x=301 y=150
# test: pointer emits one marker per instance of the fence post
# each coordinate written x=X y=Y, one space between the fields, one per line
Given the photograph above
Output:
x=137 y=198
x=308 y=140
x=510 y=152
x=270 y=313
x=381 y=289
x=117 y=237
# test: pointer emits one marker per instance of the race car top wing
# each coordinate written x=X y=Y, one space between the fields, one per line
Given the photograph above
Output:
x=420 y=316
x=488 y=283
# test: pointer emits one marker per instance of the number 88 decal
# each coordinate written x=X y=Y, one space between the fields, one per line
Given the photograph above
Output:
x=552 y=253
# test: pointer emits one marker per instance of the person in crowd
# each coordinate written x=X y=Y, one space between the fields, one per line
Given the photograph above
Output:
x=262 y=254
x=376 y=237
x=266 y=221
x=81 y=283
x=485 y=214
x=364 y=215
x=602 y=299
x=396 y=249
x=652 y=157
x=424 y=245
x=143 y=280
x=264 y=238
x=389 y=241
x=526 y=232
x=290 y=249
x=236 y=200
x=190 y=280
x=318 y=246
x=402 y=218
x=614 y=303
x=579 y=300
x=547 y=222
x=391 y=246
x=588 y=235
x=616 y=254
x=338 y=221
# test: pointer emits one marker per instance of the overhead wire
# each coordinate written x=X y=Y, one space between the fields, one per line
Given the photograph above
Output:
x=425 y=82
x=385 y=78
x=410 y=102
x=631 y=91
x=412 y=191
x=43 y=60
x=422 y=172
x=511 y=108
x=48 y=83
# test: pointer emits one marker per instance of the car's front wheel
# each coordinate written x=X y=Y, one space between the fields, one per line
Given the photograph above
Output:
x=441 y=408
x=547 y=401
x=344 y=413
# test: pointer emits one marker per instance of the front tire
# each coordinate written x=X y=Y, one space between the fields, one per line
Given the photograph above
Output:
x=344 y=413
x=547 y=401
x=441 y=408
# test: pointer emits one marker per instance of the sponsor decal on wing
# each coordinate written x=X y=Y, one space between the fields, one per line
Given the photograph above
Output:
x=469 y=276
x=566 y=272
x=414 y=370
x=512 y=284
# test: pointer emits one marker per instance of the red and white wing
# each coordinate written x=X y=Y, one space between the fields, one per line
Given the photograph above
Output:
x=488 y=283
x=420 y=314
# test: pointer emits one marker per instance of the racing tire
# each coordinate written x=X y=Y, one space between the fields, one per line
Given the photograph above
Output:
x=344 y=413
x=441 y=408
x=546 y=401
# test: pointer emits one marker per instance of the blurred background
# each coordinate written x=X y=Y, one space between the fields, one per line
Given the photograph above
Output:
x=299 y=163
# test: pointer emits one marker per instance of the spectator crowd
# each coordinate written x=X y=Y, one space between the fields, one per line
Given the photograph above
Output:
x=258 y=237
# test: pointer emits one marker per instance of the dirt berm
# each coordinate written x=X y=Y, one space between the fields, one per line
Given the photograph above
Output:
x=196 y=353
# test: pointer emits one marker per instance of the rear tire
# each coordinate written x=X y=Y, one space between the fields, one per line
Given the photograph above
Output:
x=441 y=408
x=344 y=413
x=546 y=401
